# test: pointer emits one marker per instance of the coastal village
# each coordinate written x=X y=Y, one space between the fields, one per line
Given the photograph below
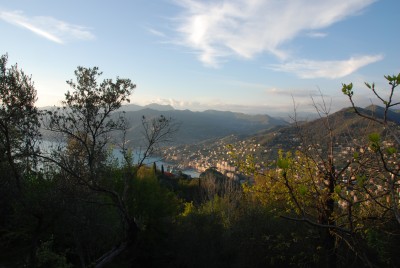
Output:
x=224 y=154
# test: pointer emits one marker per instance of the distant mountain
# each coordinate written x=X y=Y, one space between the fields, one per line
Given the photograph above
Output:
x=194 y=127
x=199 y=126
x=378 y=111
x=154 y=106
x=130 y=107
x=159 y=107
x=348 y=129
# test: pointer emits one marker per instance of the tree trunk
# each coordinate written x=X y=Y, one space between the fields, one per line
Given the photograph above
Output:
x=330 y=239
x=35 y=242
x=117 y=250
x=110 y=255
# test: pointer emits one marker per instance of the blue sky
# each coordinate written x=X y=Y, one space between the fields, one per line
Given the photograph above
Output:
x=242 y=55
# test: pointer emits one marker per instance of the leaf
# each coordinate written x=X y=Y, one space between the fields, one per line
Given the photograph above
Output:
x=361 y=180
x=283 y=163
x=303 y=189
x=374 y=137
x=338 y=189
x=391 y=150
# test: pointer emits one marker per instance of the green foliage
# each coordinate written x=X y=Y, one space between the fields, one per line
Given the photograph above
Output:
x=374 y=139
x=338 y=189
x=391 y=150
x=19 y=121
x=216 y=234
x=348 y=89
x=47 y=258
x=189 y=208
x=303 y=189
x=384 y=246
x=85 y=121
x=361 y=179
x=91 y=98
x=152 y=203
x=394 y=80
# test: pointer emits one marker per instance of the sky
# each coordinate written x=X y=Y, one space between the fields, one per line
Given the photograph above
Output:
x=251 y=56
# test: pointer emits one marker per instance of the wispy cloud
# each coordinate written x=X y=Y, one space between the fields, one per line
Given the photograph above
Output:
x=298 y=93
x=48 y=27
x=245 y=28
x=271 y=109
x=155 y=32
x=326 y=69
x=316 y=34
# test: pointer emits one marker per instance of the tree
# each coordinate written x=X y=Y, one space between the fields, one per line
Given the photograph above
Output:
x=316 y=184
x=385 y=148
x=85 y=124
x=24 y=209
x=86 y=117
x=19 y=120
x=156 y=131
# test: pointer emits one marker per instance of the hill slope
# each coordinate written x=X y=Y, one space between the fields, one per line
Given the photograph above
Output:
x=199 y=126
x=348 y=129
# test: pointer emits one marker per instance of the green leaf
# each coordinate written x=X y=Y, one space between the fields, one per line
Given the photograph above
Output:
x=389 y=78
x=338 y=189
x=283 y=163
x=391 y=150
x=347 y=89
x=361 y=180
x=374 y=137
x=303 y=189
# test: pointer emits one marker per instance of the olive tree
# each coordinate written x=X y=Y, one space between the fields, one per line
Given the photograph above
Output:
x=87 y=126
x=19 y=136
x=19 y=120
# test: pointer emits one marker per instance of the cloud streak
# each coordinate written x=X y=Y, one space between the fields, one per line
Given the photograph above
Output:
x=298 y=93
x=245 y=28
x=271 y=109
x=326 y=69
x=47 y=27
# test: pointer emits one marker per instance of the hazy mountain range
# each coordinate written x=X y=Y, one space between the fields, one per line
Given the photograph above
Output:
x=348 y=129
x=195 y=127
x=346 y=125
x=199 y=126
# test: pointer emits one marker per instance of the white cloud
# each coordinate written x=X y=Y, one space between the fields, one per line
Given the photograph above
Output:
x=155 y=32
x=326 y=69
x=316 y=34
x=50 y=28
x=298 y=93
x=245 y=28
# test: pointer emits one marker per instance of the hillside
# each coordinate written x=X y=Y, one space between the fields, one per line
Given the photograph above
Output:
x=154 y=106
x=196 y=127
x=193 y=127
x=347 y=128
x=346 y=125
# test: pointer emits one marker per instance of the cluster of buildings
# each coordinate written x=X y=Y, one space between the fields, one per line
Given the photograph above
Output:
x=220 y=155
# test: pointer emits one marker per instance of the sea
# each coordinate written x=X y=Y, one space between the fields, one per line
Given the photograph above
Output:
x=46 y=146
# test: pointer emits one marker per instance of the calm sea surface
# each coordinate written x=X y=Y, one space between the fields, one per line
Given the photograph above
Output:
x=137 y=155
